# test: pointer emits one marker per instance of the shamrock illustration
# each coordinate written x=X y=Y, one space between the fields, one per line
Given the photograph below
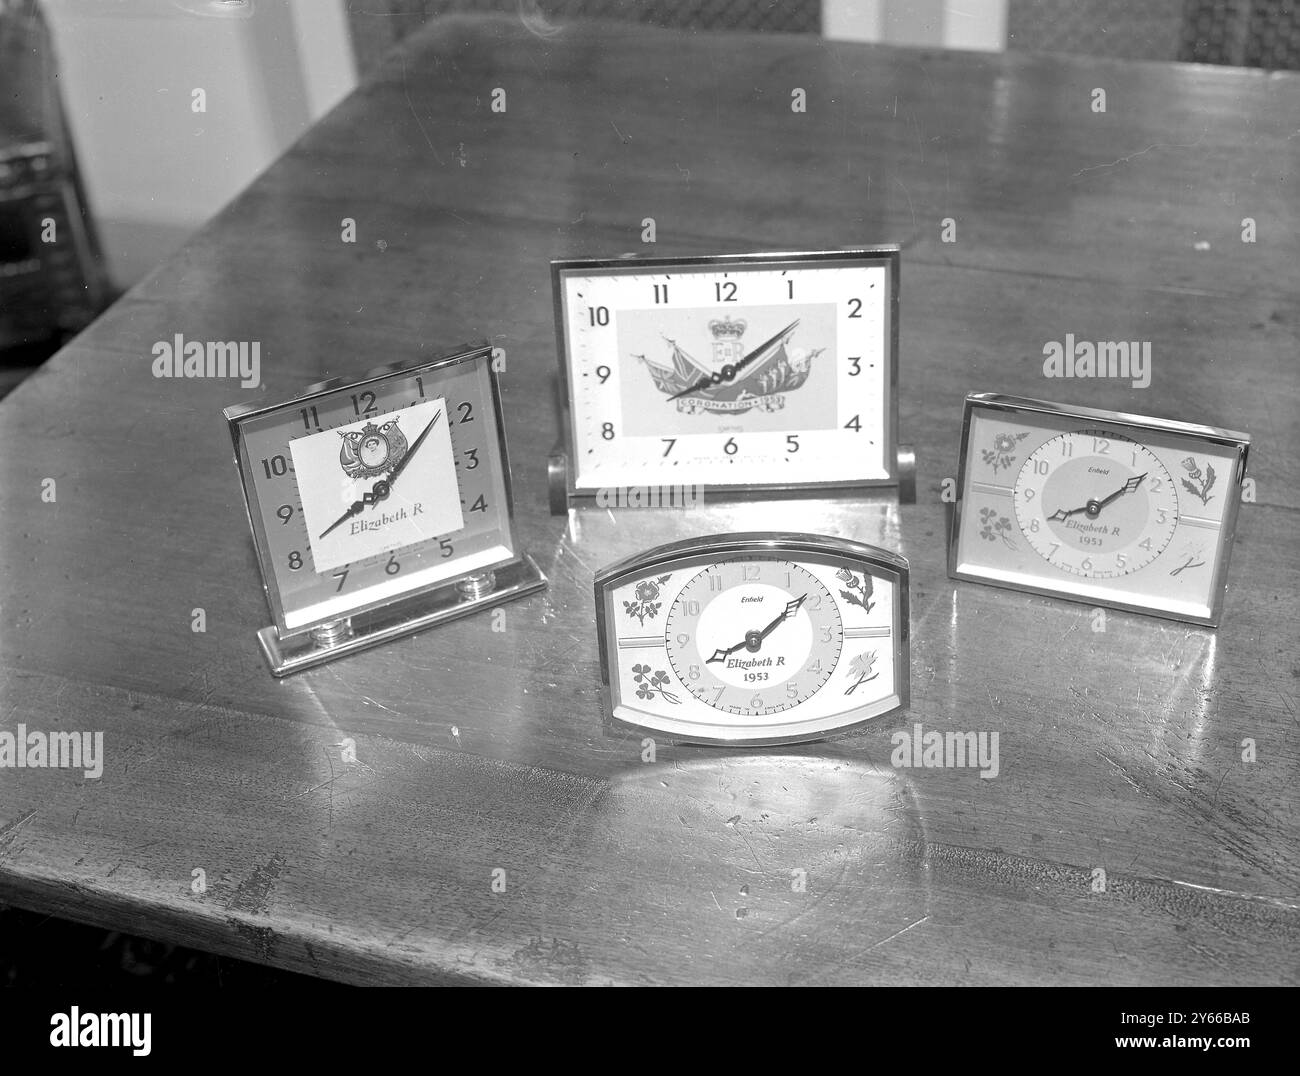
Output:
x=993 y=527
x=649 y=684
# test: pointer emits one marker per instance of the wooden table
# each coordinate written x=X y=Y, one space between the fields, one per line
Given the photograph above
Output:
x=477 y=750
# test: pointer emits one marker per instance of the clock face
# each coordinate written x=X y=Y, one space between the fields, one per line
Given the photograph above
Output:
x=364 y=493
x=763 y=372
x=764 y=639
x=1105 y=508
x=1096 y=504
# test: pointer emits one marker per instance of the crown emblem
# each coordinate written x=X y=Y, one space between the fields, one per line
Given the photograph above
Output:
x=372 y=450
x=726 y=329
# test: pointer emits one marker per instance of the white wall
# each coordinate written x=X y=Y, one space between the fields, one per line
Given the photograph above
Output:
x=155 y=169
x=952 y=24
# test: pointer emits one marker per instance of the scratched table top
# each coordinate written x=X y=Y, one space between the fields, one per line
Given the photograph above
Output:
x=1132 y=835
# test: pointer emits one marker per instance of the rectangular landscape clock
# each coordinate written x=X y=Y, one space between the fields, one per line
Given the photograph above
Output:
x=1097 y=506
x=380 y=506
x=729 y=373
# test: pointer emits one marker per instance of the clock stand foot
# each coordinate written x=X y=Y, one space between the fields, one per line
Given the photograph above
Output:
x=906 y=474
x=451 y=600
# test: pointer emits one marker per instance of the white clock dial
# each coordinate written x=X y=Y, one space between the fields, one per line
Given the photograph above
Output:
x=764 y=638
x=1096 y=504
x=735 y=374
x=754 y=637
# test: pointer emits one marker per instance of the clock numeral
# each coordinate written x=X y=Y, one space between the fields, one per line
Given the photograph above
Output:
x=814 y=602
x=731 y=448
x=856 y=312
x=791 y=690
x=607 y=431
x=669 y=442
x=725 y=291
x=682 y=638
x=1157 y=484
x=368 y=409
x=748 y=573
x=309 y=419
x=1101 y=446
x=1040 y=467
x=854 y=424
x=446 y=547
x=756 y=703
x=1121 y=561
x=1145 y=544
x=1033 y=526
x=295 y=561
x=480 y=504
x=1161 y=515
x=856 y=361
x=466 y=410
x=285 y=512
x=599 y=315
x=789 y=289
x=792 y=442
x=392 y=567
x=342 y=577
x=1030 y=493
x=1067 y=448
x=692 y=608
x=602 y=372
x=276 y=467
x=715 y=582
x=1086 y=564
x=816 y=667
x=827 y=633
x=1055 y=547
x=693 y=672
x=661 y=293
x=472 y=453
x=717 y=694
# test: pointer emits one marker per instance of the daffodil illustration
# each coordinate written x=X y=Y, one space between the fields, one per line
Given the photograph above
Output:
x=861 y=669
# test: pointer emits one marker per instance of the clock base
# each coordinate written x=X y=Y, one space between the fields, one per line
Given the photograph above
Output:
x=291 y=654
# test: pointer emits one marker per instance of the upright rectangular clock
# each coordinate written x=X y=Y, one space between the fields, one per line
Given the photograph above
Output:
x=380 y=506
x=1098 y=506
x=730 y=373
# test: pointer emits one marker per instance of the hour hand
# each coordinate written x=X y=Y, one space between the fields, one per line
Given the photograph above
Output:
x=722 y=655
x=1062 y=514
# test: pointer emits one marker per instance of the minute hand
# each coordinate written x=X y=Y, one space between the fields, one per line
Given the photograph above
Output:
x=392 y=477
x=1127 y=487
x=734 y=368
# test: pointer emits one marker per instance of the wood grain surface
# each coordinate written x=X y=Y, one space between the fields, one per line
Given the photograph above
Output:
x=479 y=749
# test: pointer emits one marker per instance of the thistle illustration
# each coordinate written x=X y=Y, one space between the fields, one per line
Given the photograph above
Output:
x=859 y=590
x=1206 y=481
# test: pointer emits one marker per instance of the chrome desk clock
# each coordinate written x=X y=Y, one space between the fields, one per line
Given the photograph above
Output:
x=747 y=639
x=731 y=374
x=1096 y=506
x=380 y=506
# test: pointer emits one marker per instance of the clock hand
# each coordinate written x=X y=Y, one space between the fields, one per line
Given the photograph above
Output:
x=790 y=609
x=401 y=464
x=374 y=496
x=1127 y=487
x=1093 y=508
x=384 y=486
x=729 y=372
x=754 y=639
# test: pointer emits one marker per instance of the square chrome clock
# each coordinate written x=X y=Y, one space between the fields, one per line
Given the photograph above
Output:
x=729 y=373
x=1097 y=506
x=379 y=506
x=755 y=638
